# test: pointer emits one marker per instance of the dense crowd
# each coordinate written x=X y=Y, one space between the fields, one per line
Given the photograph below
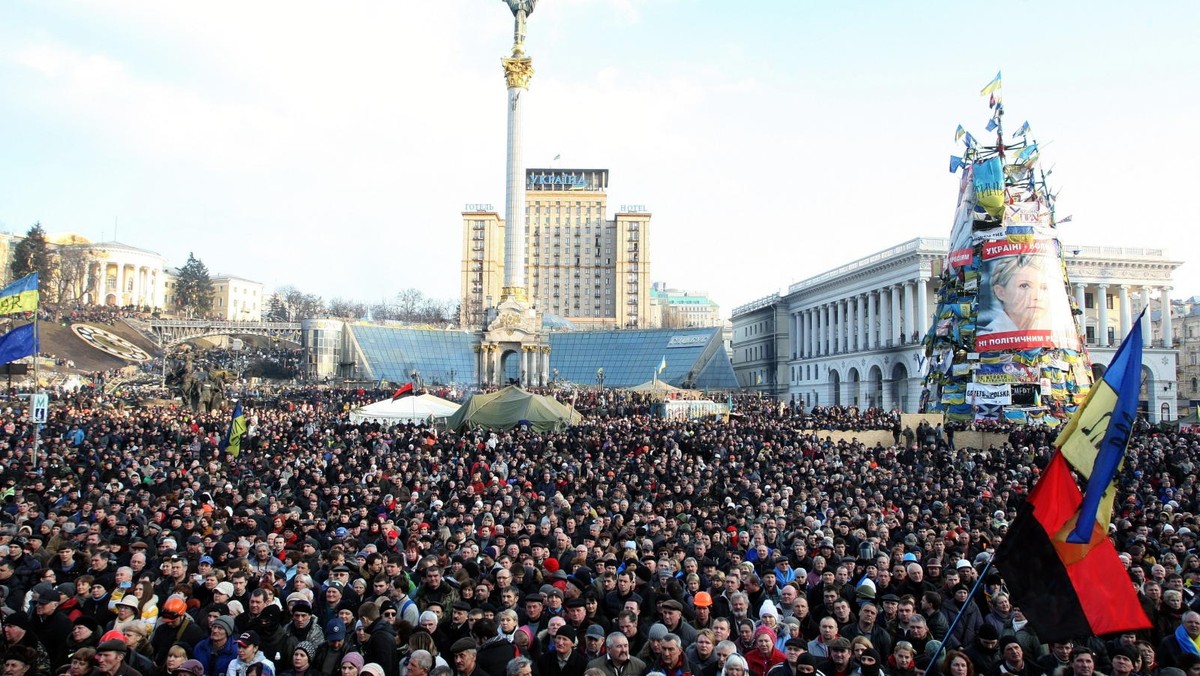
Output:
x=756 y=546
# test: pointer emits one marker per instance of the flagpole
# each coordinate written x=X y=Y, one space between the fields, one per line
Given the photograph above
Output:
x=36 y=377
x=970 y=599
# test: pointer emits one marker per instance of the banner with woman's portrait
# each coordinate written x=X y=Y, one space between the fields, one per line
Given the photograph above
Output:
x=1023 y=301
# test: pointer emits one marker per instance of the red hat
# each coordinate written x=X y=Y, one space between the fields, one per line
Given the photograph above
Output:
x=551 y=565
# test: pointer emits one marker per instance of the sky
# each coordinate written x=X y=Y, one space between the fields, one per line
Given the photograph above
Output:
x=333 y=146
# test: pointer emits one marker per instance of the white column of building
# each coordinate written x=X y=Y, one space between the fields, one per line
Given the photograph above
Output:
x=922 y=306
x=844 y=329
x=120 y=284
x=836 y=346
x=1164 y=300
x=1123 y=294
x=827 y=333
x=872 y=314
x=1102 y=327
x=814 y=332
x=795 y=331
x=885 y=317
x=808 y=332
x=819 y=348
x=909 y=326
x=861 y=302
x=895 y=320
x=1147 y=321
x=546 y=365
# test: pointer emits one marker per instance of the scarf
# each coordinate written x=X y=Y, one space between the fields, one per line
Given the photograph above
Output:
x=1187 y=643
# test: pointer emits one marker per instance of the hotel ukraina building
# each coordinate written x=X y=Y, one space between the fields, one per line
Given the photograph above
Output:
x=852 y=336
x=580 y=265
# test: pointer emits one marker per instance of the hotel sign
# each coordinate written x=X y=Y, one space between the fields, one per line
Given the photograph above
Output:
x=566 y=179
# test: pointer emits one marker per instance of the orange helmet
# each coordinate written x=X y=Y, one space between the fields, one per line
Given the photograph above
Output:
x=175 y=606
x=702 y=599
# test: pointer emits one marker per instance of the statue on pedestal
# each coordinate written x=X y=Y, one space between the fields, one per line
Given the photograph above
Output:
x=521 y=9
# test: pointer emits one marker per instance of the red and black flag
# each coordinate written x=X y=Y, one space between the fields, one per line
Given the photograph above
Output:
x=1060 y=567
x=406 y=391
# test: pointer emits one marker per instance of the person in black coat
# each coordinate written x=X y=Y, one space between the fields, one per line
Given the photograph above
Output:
x=564 y=660
x=380 y=646
x=495 y=651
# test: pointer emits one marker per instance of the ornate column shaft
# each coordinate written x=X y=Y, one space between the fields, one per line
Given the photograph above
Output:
x=518 y=70
x=923 y=314
x=872 y=313
x=1102 y=324
x=909 y=327
x=896 y=330
x=1123 y=295
x=1164 y=303
x=1148 y=321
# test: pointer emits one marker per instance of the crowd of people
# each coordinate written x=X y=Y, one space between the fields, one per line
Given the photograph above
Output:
x=132 y=544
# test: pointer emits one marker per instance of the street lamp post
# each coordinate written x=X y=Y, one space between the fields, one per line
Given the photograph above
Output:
x=600 y=377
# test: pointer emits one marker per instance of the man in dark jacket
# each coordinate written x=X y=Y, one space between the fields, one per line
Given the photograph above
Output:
x=565 y=660
x=380 y=647
x=494 y=651
x=51 y=627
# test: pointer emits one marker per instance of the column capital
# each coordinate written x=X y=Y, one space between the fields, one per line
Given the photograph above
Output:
x=1102 y=285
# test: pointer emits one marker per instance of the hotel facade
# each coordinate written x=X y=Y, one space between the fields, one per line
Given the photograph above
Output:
x=580 y=265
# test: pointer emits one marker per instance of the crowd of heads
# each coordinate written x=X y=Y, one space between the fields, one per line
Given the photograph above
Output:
x=627 y=544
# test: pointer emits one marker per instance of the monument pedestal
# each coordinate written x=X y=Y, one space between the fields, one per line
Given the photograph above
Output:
x=515 y=334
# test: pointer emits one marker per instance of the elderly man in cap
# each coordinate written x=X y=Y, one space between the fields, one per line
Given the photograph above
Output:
x=671 y=612
x=303 y=627
x=564 y=660
x=110 y=659
x=52 y=627
x=250 y=661
x=464 y=655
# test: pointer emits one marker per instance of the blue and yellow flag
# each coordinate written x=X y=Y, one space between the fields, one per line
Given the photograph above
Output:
x=1095 y=440
x=237 y=430
x=20 y=342
x=991 y=86
x=20 y=296
x=662 y=366
x=989 y=186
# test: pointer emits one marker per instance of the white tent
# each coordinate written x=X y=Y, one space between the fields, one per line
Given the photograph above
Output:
x=416 y=409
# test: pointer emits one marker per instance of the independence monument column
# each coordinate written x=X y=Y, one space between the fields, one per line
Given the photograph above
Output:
x=518 y=70
x=513 y=348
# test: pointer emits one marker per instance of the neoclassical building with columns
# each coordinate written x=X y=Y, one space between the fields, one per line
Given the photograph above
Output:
x=120 y=275
x=853 y=335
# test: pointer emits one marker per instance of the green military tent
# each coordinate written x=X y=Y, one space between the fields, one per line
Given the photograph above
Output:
x=510 y=407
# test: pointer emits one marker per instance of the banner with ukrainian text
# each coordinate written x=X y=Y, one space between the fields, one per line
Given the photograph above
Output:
x=1023 y=302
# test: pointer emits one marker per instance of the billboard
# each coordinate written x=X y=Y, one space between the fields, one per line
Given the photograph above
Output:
x=1023 y=301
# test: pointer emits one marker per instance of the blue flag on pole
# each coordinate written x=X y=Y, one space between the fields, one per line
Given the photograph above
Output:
x=1095 y=440
x=20 y=342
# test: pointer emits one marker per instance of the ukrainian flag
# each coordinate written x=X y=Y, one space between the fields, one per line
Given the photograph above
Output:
x=20 y=296
x=237 y=430
x=991 y=86
x=662 y=366
x=1095 y=440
